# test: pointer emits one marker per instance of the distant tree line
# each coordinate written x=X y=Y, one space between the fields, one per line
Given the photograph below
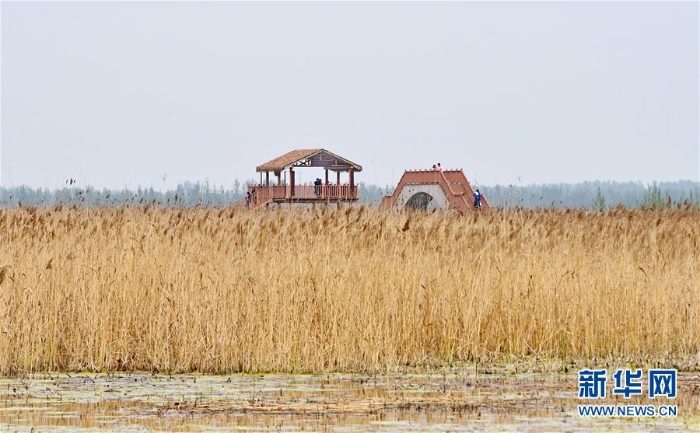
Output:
x=186 y=194
x=592 y=195
x=596 y=195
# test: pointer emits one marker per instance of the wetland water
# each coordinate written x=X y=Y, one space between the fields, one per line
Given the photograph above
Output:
x=451 y=401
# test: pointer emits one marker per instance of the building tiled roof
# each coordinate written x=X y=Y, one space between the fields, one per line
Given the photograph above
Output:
x=291 y=158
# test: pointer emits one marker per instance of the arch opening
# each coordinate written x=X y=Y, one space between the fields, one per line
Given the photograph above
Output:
x=419 y=201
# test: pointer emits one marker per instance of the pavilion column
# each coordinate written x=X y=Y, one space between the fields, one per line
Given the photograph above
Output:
x=338 y=188
x=352 y=182
x=291 y=181
x=267 y=178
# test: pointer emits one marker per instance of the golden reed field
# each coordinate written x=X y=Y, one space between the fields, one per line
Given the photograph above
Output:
x=352 y=289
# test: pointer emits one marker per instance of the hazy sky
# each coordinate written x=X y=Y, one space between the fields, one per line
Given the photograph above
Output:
x=128 y=94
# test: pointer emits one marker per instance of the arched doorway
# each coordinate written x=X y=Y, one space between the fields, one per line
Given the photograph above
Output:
x=419 y=201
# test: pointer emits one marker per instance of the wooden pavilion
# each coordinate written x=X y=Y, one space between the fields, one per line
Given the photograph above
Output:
x=284 y=189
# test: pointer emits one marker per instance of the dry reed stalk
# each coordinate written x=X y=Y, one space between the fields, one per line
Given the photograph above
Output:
x=344 y=290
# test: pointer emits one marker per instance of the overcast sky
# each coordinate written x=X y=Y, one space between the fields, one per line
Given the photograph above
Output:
x=128 y=94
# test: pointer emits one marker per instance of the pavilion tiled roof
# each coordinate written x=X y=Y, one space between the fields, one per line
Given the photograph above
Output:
x=289 y=159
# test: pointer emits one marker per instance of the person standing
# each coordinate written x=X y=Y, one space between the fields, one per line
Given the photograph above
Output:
x=477 y=199
x=317 y=186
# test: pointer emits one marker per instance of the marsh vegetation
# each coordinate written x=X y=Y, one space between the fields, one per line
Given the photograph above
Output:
x=224 y=290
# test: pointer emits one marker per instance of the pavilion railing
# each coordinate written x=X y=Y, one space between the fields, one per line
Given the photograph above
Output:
x=264 y=193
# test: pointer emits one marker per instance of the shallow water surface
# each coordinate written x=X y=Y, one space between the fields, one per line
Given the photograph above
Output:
x=454 y=401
